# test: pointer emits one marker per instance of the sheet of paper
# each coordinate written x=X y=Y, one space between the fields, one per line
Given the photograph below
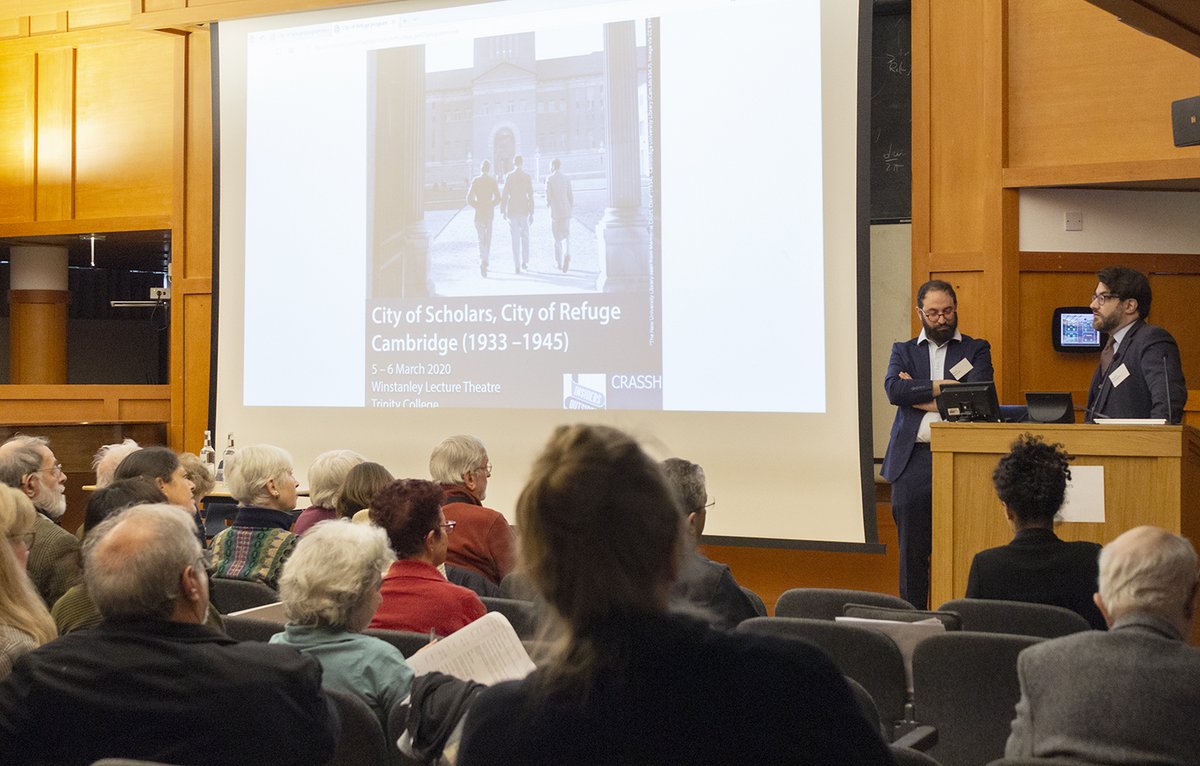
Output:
x=488 y=651
x=1085 y=495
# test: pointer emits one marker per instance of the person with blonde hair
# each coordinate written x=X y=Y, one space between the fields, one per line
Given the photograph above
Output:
x=25 y=623
x=602 y=537
x=330 y=591
x=260 y=477
x=325 y=478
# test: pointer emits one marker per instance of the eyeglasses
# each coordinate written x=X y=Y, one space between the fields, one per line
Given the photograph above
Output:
x=1103 y=298
x=206 y=560
x=712 y=502
x=487 y=470
x=55 y=470
x=27 y=538
x=932 y=314
x=449 y=526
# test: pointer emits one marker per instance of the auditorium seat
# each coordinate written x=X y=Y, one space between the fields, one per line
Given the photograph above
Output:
x=407 y=642
x=1031 y=761
x=906 y=756
x=760 y=608
x=522 y=614
x=362 y=741
x=517 y=585
x=828 y=603
x=869 y=657
x=250 y=629
x=1016 y=617
x=230 y=596
x=965 y=685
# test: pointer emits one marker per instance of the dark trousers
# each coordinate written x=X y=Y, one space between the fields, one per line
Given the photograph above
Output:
x=912 y=508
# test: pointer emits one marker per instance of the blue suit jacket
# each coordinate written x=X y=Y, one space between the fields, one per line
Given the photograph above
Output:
x=1152 y=358
x=914 y=359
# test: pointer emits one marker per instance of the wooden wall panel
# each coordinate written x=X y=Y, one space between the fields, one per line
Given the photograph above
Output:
x=55 y=133
x=18 y=105
x=126 y=126
x=1085 y=88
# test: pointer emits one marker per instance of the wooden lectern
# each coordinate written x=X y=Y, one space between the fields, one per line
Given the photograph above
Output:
x=1151 y=476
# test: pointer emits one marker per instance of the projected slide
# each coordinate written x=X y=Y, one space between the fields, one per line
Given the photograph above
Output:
x=518 y=205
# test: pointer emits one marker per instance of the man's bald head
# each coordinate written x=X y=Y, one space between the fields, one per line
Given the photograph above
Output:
x=135 y=562
x=1149 y=570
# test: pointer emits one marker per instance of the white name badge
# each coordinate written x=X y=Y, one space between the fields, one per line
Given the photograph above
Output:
x=960 y=370
x=1117 y=376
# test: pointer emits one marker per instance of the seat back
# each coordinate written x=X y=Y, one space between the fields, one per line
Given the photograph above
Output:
x=965 y=684
x=235 y=595
x=406 y=641
x=827 y=603
x=908 y=757
x=869 y=657
x=760 y=608
x=522 y=614
x=1016 y=617
x=250 y=629
x=518 y=585
x=362 y=739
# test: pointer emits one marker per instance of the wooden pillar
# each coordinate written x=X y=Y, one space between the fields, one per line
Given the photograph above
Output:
x=38 y=299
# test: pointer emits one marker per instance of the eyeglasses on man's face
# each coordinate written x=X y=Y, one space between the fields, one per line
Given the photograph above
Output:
x=1103 y=298
x=933 y=314
x=486 y=470
x=448 y=526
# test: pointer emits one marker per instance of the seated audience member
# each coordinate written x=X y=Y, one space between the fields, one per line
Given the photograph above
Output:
x=330 y=591
x=1036 y=566
x=325 y=477
x=27 y=464
x=197 y=473
x=108 y=457
x=601 y=538
x=76 y=610
x=362 y=483
x=254 y=548
x=1129 y=695
x=151 y=682
x=24 y=622
x=703 y=583
x=160 y=465
x=416 y=596
x=483 y=541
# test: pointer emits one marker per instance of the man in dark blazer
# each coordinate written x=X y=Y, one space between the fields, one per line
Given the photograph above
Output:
x=1129 y=695
x=1139 y=375
x=918 y=370
x=152 y=682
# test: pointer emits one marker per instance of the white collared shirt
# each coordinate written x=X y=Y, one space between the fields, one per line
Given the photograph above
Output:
x=1119 y=335
x=937 y=371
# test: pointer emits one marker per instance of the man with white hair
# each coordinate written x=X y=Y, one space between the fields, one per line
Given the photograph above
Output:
x=1128 y=695
x=108 y=457
x=27 y=464
x=483 y=541
x=151 y=682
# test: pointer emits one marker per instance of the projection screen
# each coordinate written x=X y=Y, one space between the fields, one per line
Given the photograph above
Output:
x=668 y=237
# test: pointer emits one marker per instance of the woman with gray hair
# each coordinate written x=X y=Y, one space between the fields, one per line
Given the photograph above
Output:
x=330 y=591
x=325 y=477
x=260 y=478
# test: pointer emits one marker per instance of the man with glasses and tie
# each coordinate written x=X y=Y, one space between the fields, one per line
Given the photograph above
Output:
x=918 y=370
x=27 y=464
x=1139 y=375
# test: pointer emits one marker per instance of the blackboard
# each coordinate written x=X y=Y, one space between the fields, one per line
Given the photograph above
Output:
x=891 y=113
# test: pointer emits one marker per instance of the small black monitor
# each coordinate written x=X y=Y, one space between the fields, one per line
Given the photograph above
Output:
x=969 y=403
x=1050 y=406
x=1072 y=331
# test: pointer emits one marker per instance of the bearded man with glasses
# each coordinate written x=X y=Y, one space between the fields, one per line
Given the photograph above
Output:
x=27 y=464
x=1139 y=375
x=918 y=370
